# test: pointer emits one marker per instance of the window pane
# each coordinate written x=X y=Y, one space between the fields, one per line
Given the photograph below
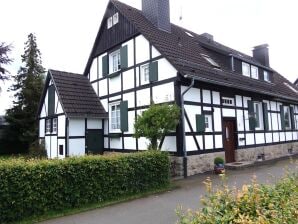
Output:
x=254 y=72
x=145 y=74
x=206 y=122
x=115 y=117
x=110 y=22
x=245 y=69
x=115 y=18
x=266 y=76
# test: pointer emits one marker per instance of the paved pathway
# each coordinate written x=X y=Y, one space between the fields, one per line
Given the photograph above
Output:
x=160 y=209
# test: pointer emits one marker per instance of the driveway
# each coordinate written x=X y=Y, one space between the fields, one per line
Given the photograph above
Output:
x=160 y=209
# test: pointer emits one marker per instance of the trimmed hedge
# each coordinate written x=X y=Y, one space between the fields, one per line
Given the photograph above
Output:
x=34 y=187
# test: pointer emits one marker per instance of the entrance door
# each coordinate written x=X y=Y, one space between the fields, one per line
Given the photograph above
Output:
x=94 y=141
x=229 y=140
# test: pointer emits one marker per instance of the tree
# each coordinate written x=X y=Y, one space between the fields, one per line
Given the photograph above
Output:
x=4 y=60
x=23 y=126
x=156 y=122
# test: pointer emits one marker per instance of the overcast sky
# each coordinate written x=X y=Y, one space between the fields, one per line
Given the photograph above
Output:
x=66 y=29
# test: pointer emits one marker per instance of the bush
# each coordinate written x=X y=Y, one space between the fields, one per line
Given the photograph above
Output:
x=37 y=150
x=36 y=186
x=218 y=160
x=259 y=204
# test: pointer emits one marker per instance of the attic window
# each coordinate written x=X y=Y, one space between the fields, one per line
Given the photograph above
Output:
x=112 y=20
x=290 y=87
x=210 y=60
x=189 y=34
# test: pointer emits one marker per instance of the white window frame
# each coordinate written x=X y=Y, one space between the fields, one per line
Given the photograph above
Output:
x=109 y=22
x=208 y=123
x=258 y=114
x=245 y=67
x=48 y=125
x=287 y=112
x=115 y=18
x=225 y=99
x=54 y=125
x=254 y=72
x=145 y=74
x=115 y=61
x=114 y=117
x=266 y=76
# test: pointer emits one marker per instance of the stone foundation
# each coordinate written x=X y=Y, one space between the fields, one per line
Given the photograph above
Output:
x=204 y=162
x=270 y=151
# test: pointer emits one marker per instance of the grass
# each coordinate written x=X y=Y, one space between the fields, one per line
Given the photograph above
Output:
x=89 y=207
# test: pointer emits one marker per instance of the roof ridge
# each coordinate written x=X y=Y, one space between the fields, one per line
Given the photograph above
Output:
x=71 y=73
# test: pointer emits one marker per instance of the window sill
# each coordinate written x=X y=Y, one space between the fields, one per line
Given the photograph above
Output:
x=115 y=135
x=113 y=75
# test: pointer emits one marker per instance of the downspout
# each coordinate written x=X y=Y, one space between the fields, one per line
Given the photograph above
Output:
x=183 y=127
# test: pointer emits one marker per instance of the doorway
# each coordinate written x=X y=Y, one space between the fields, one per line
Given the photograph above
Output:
x=94 y=141
x=229 y=142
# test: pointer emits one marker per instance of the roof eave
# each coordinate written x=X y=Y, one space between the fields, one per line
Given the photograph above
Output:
x=198 y=78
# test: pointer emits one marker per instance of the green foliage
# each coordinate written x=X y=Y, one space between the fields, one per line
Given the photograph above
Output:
x=23 y=126
x=218 y=160
x=253 y=204
x=156 y=122
x=4 y=60
x=37 y=150
x=35 y=187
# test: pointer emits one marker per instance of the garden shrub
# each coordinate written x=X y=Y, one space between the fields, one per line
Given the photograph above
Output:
x=255 y=204
x=36 y=186
x=37 y=150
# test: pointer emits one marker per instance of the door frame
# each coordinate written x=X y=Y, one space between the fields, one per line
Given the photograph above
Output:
x=234 y=120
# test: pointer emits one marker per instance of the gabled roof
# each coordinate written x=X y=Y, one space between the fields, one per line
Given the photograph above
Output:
x=77 y=97
x=184 y=52
x=296 y=82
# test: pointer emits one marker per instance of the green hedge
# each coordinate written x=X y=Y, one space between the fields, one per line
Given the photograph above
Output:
x=34 y=187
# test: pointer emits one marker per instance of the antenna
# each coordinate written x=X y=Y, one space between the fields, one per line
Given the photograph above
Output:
x=181 y=13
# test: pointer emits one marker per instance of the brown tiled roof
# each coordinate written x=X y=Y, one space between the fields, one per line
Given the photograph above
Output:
x=76 y=95
x=184 y=53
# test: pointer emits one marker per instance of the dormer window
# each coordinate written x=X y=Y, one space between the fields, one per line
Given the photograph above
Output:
x=245 y=69
x=254 y=72
x=210 y=60
x=112 y=20
x=266 y=76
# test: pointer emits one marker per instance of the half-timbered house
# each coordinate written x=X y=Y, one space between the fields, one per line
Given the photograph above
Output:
x=235 y=105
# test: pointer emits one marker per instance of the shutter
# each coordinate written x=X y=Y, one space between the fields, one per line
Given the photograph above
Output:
x=153 y=71
x=51 y=100
x=251 y=115
x=200 y=121
x=124 y=116
x=292 y=118
x=265 y=117
x=105 y=70
x=123 y=57
x=282 y=117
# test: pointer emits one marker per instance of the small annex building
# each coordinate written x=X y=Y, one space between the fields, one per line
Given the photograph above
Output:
x=70 y=116
x=236 y=105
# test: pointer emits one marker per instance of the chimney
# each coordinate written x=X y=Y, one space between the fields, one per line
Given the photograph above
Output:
x=158 y=13
x=261 y=54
